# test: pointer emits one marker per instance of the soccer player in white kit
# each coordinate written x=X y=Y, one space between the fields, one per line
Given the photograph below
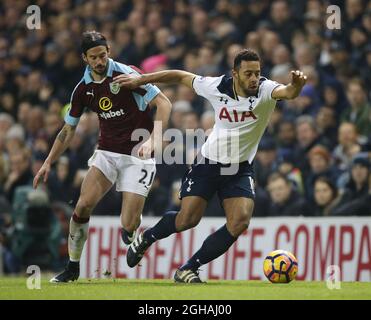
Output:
x=243 y=104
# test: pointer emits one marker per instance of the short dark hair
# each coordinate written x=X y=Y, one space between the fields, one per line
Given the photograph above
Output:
x=245 y=55
x=330 y=184
x=91 y=39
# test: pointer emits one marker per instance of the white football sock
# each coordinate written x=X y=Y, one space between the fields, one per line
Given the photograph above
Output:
x=76 y=239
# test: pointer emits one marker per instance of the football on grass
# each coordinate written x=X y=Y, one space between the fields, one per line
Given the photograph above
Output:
x=280 y=266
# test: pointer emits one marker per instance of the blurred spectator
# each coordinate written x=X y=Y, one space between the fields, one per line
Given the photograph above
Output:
x=20 y=173
x=325 y=196
x=320 y=166
x=357 y=186
x=35 y=123
x=60 y=182
x=282 y=20
x=348 y=145
x=359 y=112
x=10 y=263
x=285 y=200
x=365 y=71
x=332 y=98
x=357 y=207
x=286 y=135
x=264 y=161
x=307 y=137
x=286 y=166
x=327 y=125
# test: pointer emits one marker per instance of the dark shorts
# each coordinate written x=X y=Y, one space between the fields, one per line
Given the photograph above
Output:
x=206 y=178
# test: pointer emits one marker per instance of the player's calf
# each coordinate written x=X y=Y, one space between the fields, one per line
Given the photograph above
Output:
x=187 y=220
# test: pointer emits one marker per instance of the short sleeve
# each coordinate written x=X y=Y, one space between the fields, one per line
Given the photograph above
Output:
x=204 y=86
x=151 y=90
x=269 y=86
x=76 y=108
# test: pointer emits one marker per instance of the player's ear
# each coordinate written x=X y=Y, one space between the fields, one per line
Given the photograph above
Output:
x=234 y=73
x=83 y=56
x=108 y=50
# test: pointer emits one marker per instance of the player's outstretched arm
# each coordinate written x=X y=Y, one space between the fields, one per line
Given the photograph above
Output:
x=163 y=105
x=291 y=90
x=60 y=145
x=167 y=76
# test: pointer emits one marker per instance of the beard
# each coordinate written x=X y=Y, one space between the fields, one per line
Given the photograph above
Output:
x=248 y=91
x=101 y=70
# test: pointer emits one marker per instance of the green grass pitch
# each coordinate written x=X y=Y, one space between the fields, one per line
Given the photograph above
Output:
x=15 y=288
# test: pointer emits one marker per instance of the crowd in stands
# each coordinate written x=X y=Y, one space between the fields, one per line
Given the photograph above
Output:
x=313 y=160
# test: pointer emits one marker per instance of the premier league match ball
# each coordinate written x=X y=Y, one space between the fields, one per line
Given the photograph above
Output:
x=280 y=266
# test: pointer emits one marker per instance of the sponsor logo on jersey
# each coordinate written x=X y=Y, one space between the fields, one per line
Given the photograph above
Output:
x=105 y=103
x=112 y=114
x=233 y=116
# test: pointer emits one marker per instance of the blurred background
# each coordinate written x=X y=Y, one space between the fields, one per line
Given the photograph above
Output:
x=314 y=159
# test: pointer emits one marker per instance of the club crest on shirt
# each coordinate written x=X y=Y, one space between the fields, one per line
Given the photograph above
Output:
x=114 y=87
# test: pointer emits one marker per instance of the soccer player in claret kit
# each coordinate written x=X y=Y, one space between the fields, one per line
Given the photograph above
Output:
x=243 y=104
x=120 y=111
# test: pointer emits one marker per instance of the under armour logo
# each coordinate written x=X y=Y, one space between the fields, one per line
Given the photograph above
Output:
x=190 y=182
x=90 y=93
x=223 y=99
x=251 y=100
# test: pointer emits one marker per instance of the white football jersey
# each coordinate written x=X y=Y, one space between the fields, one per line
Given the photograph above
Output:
x=239 y=122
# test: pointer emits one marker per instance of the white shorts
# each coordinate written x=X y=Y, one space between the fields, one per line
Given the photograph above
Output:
x=129 y=173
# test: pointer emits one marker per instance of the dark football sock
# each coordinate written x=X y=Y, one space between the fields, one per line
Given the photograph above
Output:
x=164 y=228
x=214 y=246
x=73 y=265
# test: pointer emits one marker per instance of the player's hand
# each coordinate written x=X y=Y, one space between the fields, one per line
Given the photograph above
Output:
x=145 y=150
x=130 y=81
x=298 y=78
x=43 y=172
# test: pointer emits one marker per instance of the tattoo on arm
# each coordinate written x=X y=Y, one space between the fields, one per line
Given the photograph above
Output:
x=62 y=135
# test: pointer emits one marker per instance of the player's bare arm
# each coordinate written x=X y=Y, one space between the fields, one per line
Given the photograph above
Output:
x=163 y=105
x=60 y=145
x=291 y=90
x=166 y=76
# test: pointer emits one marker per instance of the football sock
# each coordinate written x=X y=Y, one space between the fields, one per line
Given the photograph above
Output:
x=214 y=246
x=73 y=266
x=164 y=228
x=78 y=234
